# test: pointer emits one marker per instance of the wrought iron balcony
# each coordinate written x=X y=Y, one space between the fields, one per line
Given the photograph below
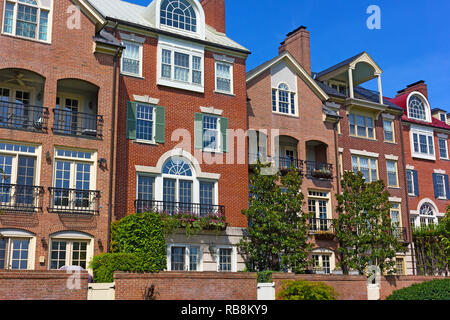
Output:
x=20 y=198
x=321 y=226
x=283 y=163
x=175 y=208
x=73 y=123
x=318 y=170
x=72 y=201
x=21 y=116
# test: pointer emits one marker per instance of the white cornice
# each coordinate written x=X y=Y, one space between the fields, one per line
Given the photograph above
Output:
x=364 y=153
x=211 y=110
x=145 y=99
x=391 y=157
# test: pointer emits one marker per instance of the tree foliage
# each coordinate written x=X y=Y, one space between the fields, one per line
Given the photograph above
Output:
x=276 y=238
x=432 y=247
x=430 y=290
x=364 y=227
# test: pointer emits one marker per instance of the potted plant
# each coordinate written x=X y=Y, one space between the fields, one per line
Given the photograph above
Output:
x=338 y=271
x=323 y=173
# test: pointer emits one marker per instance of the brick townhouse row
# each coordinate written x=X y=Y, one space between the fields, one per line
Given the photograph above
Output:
x=108 y=108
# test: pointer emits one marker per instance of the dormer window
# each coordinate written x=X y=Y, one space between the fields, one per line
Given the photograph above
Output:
x=179 y=14
x=417 y=108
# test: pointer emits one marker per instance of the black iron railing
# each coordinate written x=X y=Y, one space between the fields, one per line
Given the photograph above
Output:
x=175 y=208
x=19 y=198
x=21 y=116
x=318 y=170
x=69 y=122
x=74 y=201
x=317 y=225
x=282 y=163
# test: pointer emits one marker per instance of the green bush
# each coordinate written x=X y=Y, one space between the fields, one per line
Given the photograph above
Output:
x=306 y=290
x=265 y=276
x=430 y=290
x=137 y=245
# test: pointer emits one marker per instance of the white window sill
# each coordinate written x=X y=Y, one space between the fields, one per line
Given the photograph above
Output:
x=145 y=142
x=132 y=75
x=225 y=93
x=25 y=38
x=423 y=156
x=181 y=85
x=212 y=151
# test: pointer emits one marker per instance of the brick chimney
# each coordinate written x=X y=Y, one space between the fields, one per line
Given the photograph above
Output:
x=298 y=44
x=214 y=13
x=419 y=86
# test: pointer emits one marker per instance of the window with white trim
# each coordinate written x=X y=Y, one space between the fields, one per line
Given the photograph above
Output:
x=367 y=166
x=224 y=77
x=283 y=100
x=440 y=186
x=131 y=63
x=400 y=266
x=145 y=128
x=443 y=150
x=322 y=261
x=180 y=65
x=427 y=215
x=146 y=187
x=225 y=257
x=416 y=108
x=318 y=205
x=178 y=14
x=423 y=144
x=410 y=178
x=184 y=258
x=29 y=19
x=67 y=252
x=211 y=133
x=14 y=253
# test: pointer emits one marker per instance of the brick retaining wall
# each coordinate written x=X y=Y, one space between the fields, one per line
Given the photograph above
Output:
x=41 y=285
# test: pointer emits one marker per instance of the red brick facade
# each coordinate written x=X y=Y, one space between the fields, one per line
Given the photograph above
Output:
x=68 y=56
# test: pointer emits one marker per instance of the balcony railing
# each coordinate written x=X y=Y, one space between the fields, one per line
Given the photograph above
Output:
x=283 y=163
x=318 y=226
x=20 y=198
x=318 y=170
x=175 y=208
x=400 y=233
x=72 y=201
x=21 y=116
x=73 y=123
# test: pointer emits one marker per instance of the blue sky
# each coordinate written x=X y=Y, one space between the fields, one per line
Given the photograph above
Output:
x=413 y=42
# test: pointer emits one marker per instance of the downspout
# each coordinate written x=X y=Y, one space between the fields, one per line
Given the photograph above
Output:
x=407 y=197
x=113 y=140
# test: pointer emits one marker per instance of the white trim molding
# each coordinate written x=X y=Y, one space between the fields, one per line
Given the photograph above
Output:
x=391 y=157
x=409 y=167
x=388 y=116
x=439 y=171
x=395 y=199
x=145 y=99
x=365 y=153
x=224 y=58
x=442 y=136
x=211 y=110
x=131 y=37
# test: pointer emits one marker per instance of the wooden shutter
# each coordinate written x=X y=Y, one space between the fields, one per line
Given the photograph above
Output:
x=224 y=133
x=131 y=120
x=198 y=131
x=160 y=124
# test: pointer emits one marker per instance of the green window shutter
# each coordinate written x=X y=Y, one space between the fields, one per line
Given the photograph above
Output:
x=198 y=131
x=223 y=130
x=160 y=124
x=131 y=120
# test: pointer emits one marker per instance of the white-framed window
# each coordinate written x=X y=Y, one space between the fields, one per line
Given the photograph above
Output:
x=417 y=108
x=224 y=77
x=319 y=206
x=388 y=127
x=145 y=122
x=30 y=19
x=131 y=63
x=211 y=133
x=367 y=166
x=322 y=261
x=180 y=64
x=340 y=87
x=392 y=176
x=145 y=187
x=443 y=148
x=427 y=214
x=182 y=257
x=412 y=182
x=68 y=253
x=422 y=143
x=226 y=259
x=361 y=126
x=283 y=100
x=17 y=249
x=400 y=266
x=178 y=14
x=440 y=186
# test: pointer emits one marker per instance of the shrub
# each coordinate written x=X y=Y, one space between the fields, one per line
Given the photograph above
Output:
x=137 y=245
x=306 y=290
x=430 y=290
x=265 y=276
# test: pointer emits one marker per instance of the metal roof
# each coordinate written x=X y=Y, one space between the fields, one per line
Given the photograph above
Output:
x=133 y=14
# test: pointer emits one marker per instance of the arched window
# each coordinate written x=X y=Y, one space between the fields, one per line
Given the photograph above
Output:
x=178 y=14
x=283 y=100
x=417 y=108
x=28 y=19
x=177 y=167
x=427 y=214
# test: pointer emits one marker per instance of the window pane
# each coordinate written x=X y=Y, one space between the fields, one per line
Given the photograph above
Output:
x=283 y=100
x=223 y=75
x=430 y=145
x=145 y=188
x=9 y=14
x=79 y=254
x=274 y=100
x=178 y=255
x=196 y=70
x=210 y=132
x=131 y=58
x=392 y=173
x=423 y=144
x=58 y=254
x=43 y=25
x=166 y=70
x=388 y=131
x=181 y=67
x=26 y=21
x=19 y=259
x=3 y=243
x=225 y=260
x=443 y=148
x=410 y=179
x=144 y=123
x=194 y=258
x=361 y=122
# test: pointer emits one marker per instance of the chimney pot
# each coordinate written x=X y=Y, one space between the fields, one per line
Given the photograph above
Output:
x=297 y=43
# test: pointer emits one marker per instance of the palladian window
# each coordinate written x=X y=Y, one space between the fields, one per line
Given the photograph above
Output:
x=178 y=14
x=417 y=108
